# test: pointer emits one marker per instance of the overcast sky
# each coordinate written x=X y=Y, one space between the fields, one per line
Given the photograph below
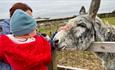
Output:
x=55 y=8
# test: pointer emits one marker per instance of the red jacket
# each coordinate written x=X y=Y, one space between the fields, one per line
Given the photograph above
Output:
x=35 y=55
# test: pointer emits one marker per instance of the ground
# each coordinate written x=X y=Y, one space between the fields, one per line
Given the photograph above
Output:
x=85 y=60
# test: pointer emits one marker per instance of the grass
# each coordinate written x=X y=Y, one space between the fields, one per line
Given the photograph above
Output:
x=51 y=27
x=79 y=59
x=54 y=25
x=110 y=20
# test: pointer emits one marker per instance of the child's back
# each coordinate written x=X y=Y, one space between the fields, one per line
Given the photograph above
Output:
x=26 y=56
x=24 y=50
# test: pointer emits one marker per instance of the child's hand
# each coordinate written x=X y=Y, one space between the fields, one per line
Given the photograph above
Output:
x=45 y=36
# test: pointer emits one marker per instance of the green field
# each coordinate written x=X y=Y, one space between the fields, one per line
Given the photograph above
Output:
x=54 y=25
x=111 y=20
x=51 y=27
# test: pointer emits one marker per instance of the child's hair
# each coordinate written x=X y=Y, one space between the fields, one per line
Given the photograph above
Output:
x=21 y=6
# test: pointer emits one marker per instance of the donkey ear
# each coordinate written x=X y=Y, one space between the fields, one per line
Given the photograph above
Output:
x=82 y=10
x=95 y=4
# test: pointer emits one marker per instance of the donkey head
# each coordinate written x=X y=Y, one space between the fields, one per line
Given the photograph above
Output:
x=82 y=31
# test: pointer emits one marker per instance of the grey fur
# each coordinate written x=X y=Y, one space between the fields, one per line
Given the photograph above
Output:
x=86 y=29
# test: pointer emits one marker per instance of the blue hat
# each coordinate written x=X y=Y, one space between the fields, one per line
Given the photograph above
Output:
x=21 y=23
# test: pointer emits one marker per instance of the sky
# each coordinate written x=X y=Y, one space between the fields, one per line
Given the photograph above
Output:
x=55 y=8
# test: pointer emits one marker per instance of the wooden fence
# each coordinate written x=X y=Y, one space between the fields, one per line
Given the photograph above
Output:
x=95 y=47
x=56 y=19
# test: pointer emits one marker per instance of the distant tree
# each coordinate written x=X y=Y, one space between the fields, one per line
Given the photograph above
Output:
x=38 y=18
x=113 y=11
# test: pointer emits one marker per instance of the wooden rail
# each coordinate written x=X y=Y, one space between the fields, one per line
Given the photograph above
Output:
x=95 y=47
x=103 y=47
x=60 y=67
x=56 y=19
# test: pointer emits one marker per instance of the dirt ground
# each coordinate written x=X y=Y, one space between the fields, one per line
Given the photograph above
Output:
x=85 y=60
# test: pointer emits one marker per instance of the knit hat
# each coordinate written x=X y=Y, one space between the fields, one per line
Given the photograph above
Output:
x=21 y=23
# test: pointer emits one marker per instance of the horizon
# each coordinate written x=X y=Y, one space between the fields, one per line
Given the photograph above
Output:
x=55 y=8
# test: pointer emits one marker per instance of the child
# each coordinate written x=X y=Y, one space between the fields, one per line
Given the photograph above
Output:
x=24 y=50
x=5 y=26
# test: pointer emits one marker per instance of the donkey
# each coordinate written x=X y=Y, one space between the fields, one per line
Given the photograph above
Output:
x=85 y=29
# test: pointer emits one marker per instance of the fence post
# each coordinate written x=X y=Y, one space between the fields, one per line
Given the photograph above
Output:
x=53 y=64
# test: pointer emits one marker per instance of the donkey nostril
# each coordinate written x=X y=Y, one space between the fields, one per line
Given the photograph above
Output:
x=56 y=41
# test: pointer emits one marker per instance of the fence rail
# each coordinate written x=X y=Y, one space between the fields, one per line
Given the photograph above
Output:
x=60 y=67
x=103 y=47
x=95 y=47
x=56 y=19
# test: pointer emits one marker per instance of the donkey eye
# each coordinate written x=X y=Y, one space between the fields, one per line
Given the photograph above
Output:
x=82 y=25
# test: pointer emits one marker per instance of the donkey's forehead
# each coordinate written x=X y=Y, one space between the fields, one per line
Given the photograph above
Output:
x=84 y=18
x=80 y=19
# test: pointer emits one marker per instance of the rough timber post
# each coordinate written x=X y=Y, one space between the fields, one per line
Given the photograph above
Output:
x=53 y=64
